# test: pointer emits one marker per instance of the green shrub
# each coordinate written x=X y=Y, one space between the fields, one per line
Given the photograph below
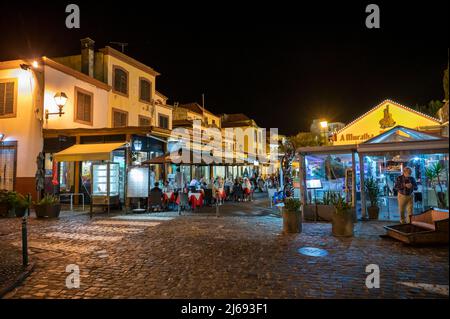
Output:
x=22 y=201
x=329 y=197
x=10 y=198
x=48 y=199
x=341 y=205
x=373 y=191
x=292 y=204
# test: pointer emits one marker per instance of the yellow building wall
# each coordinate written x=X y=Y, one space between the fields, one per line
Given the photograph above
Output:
x=131 y=104
x=369 y=126
x=166 y=111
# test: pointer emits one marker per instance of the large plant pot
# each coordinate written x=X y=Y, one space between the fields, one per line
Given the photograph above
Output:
x=441 y=200
x=47 y=211
x=20 y=211
x=292 y=222
x=309 y=212
x=4 y=210
x=373 y=212
x=342 y=224
x=325 y=212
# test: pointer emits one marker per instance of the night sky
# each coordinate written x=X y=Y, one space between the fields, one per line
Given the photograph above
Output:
x=281 y=65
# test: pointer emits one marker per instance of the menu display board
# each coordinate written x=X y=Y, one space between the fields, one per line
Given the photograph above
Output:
x=313 y=183
x=138 y=181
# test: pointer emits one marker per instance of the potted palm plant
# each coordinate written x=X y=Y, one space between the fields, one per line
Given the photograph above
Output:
x=373 y=193
x=325 y=209
x=433 y=174
x=342 y=222
x=292 y=219
x=48 y=207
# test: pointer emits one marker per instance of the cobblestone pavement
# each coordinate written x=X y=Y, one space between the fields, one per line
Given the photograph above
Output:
x=241 y=254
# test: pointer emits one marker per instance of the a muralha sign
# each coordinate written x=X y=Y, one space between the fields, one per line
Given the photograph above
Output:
x=379 y=119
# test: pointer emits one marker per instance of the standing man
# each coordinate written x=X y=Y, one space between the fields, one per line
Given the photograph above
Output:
x=405 y=185
x=152 y=177
x=180 y=180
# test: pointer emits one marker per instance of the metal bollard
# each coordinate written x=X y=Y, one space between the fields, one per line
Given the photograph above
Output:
x=29 y=201
x=24 y=242
x=217 y=208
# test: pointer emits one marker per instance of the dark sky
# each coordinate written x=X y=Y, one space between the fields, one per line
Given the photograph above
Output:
x=282 y=65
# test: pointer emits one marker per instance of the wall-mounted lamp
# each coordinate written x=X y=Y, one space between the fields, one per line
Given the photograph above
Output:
x=25 y=66
x=137 y=145
x=60 y=100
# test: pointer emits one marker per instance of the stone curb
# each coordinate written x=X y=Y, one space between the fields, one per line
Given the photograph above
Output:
x=17 y=281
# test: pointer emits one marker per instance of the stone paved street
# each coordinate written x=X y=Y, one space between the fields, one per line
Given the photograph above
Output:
x=241 y=254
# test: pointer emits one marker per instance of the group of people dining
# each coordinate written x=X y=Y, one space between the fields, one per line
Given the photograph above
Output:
x=204 y=191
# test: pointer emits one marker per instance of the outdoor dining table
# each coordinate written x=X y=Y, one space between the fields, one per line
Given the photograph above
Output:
x=195 y=199
x=169 y=196
x=221 y=192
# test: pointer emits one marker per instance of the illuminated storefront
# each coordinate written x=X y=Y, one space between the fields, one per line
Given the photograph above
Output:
x=379 y=145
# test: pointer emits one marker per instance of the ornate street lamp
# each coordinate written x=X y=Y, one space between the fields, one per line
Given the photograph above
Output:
x=60 y=100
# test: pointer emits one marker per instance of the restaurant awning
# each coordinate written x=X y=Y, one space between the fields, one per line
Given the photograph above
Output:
x=87 y=152
x=195 y=159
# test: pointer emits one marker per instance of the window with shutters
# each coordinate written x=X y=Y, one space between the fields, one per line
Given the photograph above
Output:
x=83 y=106
x=120 y=80
x=120 y=118
x=144 y=121
x=163 y=121
x=8 y=97
x=145 y=90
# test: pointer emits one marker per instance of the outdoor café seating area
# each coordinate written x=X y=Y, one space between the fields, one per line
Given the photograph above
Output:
x=196 y=194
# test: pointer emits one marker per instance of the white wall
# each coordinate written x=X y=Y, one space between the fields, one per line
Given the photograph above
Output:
x=25 y=128
x=57 y=81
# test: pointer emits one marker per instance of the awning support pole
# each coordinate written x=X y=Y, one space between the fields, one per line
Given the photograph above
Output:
x=362 y=186
x=353 y=180
x=302 y=175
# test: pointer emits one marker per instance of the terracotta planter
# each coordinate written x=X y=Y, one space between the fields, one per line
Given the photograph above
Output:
x=47 y=211
x=309 y=212
x=4 y=210
x=292 y=222
x=342 y=224
x=441 y=200
x=20 y=211
x=373 y=212
x=325 y=212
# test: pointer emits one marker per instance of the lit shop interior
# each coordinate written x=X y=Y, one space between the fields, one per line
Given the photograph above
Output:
x=329 y=173
x=330 y=169
x=77 y=172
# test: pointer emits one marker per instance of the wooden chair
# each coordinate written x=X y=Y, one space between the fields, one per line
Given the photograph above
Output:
x=208 y=196
x=155 y=200
x=184 y=200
